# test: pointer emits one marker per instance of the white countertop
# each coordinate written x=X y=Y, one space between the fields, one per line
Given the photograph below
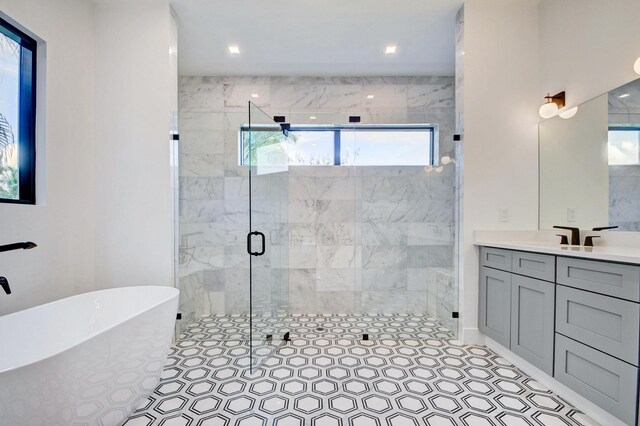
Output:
x=610 y=253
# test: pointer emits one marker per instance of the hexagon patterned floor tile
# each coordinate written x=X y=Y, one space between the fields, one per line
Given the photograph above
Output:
x=321 y=378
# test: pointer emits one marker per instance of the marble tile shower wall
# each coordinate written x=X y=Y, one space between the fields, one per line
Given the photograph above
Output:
x=363 y=239
x=624 y=197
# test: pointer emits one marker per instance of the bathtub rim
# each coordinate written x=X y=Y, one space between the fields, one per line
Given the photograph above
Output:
x=174 y=294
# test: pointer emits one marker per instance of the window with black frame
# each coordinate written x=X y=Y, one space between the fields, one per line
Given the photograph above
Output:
x=17 y=115
x=361 y=145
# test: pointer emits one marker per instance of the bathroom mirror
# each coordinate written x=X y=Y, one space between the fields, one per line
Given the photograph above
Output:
x=590 y=163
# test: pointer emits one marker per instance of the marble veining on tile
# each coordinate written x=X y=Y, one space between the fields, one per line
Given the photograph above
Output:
x=333 y=218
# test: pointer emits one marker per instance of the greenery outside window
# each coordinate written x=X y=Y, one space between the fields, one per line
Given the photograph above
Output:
x=356 y=145
x=17 y=115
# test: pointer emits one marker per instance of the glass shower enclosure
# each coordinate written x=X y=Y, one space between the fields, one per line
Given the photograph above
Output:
x=278 y=236
x=265 y=154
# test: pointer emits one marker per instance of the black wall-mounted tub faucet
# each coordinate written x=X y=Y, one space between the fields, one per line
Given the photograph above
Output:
x=5 y=285
x=17 y=246
x=26 y=245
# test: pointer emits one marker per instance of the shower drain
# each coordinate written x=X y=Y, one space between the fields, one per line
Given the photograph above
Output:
x=320 y=329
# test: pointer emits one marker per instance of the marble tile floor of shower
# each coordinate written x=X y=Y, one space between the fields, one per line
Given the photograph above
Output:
x=337 y=381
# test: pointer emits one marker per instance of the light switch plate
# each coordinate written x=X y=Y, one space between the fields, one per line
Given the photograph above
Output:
x=503 y=215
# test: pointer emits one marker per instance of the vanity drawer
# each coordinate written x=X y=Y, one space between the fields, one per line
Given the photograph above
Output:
x=605 y=323
x=495 y=258
x=606 y=381
x=534 y=265
x=612 y=279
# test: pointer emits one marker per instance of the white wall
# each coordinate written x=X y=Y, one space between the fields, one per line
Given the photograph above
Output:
x=516 y=52
x=62 y=222
x=587 y=47
x=501 y=97
x=133 y=104
x=105 y=209
x=574 y=167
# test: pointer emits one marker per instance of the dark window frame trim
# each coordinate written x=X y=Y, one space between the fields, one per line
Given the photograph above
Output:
x=26 y=114
x=337 y=132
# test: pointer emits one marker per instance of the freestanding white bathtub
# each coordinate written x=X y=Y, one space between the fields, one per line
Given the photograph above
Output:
x=84 y=360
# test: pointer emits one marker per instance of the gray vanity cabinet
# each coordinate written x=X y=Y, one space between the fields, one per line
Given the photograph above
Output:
x=495 y=305
x=575 y=319
x=532 y=306
x=517 y=309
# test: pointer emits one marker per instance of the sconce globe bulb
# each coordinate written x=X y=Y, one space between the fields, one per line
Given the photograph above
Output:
x=445 y=160
x=548 y=110
x=569 y=113
x=636 y=66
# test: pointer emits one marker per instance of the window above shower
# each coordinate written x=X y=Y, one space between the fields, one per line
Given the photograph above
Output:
x=346 y=145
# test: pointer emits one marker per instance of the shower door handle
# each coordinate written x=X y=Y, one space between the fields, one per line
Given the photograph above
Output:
x=264 y=247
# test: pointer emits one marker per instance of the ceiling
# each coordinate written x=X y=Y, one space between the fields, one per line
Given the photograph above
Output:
x=316 y=38
x=630 y=101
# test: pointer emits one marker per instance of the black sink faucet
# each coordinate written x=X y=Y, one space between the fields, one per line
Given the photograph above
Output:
x=588 y=241
x=575 y=234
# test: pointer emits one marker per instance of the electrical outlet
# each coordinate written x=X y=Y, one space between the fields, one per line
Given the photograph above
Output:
x=503 y=215
x=571 y=214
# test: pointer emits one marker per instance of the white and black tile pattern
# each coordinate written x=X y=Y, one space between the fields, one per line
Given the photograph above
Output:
x=312 y=326
x=319 y=381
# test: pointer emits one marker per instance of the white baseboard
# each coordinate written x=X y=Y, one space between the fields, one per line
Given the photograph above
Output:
x=472 y=336
x=577 y=400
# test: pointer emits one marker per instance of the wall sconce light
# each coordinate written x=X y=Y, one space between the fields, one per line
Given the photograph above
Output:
x=444 y=161
x=568 y=113
x=636 y=66
x=552 y=105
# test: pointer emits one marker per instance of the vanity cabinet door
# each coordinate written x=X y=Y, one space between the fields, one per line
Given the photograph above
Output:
x=532 y=321
x=495 y=305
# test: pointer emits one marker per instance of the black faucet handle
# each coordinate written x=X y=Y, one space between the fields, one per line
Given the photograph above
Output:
x=602 y=228
x=588 y=241
x=575 y=234
x=4 y=283
x=563 y=239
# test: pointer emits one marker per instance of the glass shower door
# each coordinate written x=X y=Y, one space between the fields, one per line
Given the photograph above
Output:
x=265 y=153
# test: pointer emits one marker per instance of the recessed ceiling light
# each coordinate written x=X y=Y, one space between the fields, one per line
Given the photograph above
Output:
x=371 y=96
x=313 y=117
x=234 y=50
x=390 y=50
x=255 y=95
x=626 y=95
